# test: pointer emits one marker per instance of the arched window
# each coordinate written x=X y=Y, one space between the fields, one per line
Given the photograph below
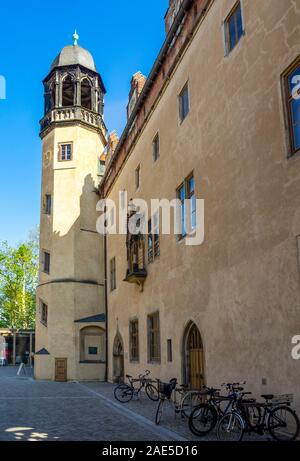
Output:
x=86 y=94
x=49 y=97
x=92 y=344
x=68 y=92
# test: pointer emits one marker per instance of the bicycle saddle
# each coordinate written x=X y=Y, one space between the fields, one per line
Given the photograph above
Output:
x=268 y=396
x=128 y=376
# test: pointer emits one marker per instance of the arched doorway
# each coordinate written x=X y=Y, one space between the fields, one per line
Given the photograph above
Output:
x=193 y=357
x=118 y=358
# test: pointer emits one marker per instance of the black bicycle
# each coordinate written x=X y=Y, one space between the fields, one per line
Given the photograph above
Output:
x=275 y=417
x=124 y=392
x=206 y=415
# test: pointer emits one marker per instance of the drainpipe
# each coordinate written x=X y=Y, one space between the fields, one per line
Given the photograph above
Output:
x=106 y=307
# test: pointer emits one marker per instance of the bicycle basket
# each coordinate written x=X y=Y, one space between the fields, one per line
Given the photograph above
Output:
x=166 y=389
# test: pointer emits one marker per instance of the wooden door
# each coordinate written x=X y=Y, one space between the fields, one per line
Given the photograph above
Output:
x=196 y=368
x=61 y=370
x=195 y=359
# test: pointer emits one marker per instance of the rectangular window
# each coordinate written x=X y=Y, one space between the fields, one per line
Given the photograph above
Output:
x=150 y=242
x=169 y=350
x=44 y=313
x=181 y=197
x=48 y=204
x=153 y=238
x=113 y=283
x=155 y=146
x=233 y=27
x=46 y=262
x=184 y=103
x=292 y=86
x=65 y=152
x=186 y=191
x=134 y=340
x=93 y=350
x=153 y=338
x=137 y=177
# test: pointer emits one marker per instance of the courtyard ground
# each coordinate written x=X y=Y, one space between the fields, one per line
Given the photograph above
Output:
x=38 y=410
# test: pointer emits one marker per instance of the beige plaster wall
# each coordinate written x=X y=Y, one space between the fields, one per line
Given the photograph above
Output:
x=241 y=287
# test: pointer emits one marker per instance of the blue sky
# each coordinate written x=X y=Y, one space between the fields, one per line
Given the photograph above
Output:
x=123 y=36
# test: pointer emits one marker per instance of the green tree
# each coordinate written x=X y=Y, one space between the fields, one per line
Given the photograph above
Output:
x=18 y=281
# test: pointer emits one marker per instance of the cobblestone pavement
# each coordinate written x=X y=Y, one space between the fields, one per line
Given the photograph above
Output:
x=40 y=410
x=36 y=410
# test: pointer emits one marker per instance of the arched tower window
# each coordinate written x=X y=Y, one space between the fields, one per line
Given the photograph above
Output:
x=86 y=94
x=68 y=91
x=49 y=97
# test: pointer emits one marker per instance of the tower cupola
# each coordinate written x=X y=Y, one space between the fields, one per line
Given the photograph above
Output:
x=73 y=90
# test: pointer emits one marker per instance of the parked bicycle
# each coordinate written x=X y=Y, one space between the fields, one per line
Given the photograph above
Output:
x=206 y=415
x=125 y=392
x=181 y=399
x=275 y=417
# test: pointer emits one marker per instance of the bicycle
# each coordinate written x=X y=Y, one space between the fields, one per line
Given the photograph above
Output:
x=205 y=416
x=124 y=392
x=276 y=417
x=183 y=402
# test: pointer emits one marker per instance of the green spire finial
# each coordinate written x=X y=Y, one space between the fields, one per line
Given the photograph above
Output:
x=75 y=38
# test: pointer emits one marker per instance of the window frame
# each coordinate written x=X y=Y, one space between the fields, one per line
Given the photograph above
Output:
x=113 y=272
x=288 y=101
x=156 y=148
x=43 y=308
x=187 y=195
x=154 y=343
x=47 y=208
x=185 y=90
x=238 y=5
x=46 y=256
x=61 y=145
x=134 y=346
x=154 y=238
x=169 y=350
x=137 y=177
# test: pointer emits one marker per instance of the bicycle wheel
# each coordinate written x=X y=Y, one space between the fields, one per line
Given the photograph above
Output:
x=230 y=428
x=159 y=411
x=152 y=392
x=203 y=419
x=191 y=400
x=123 y=393
x=283 y=424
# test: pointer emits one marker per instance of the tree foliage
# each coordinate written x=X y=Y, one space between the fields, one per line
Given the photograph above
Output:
x=18 y=281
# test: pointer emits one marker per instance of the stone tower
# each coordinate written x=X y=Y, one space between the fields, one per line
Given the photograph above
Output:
x=70 y=332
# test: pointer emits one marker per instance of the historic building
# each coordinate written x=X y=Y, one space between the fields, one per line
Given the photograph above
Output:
x=70 y=333
x=218 y=118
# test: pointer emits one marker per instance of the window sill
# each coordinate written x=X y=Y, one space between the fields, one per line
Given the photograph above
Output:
x=91 y=362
